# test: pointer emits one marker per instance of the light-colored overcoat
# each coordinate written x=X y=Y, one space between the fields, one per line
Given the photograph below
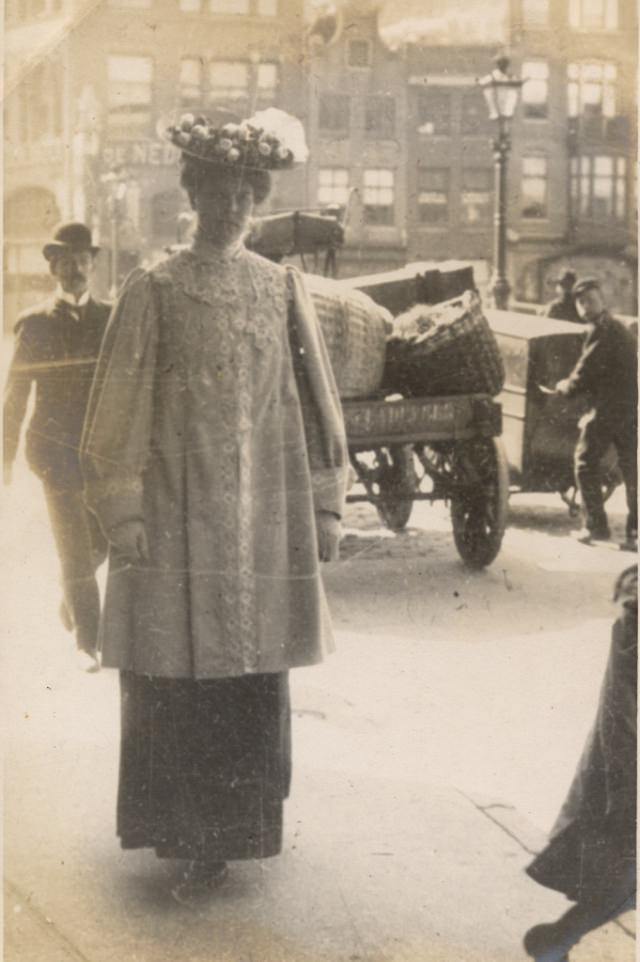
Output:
x=214 y=418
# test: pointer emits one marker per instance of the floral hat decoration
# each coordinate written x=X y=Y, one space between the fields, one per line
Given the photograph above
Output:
x=247 y=144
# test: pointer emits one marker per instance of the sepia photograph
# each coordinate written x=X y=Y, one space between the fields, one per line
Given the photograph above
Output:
x=320 y=393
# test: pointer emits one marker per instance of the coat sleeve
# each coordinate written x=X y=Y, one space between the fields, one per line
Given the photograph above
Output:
x=117 y=428
x=16 y=393
x=592 y=365
x=321 y=409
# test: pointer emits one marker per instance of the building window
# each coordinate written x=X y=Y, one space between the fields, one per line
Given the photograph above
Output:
x=267 y=80
x=229 y=81
x=535 y=13
x=190 y=81
x=268 y=8
x=378 y=197
x=434 y=113
x=535 y=92
x=475 y=199
x=592 y=89
x=380 y=117
x=359 y=53
x=474 y=117
x=333 y=113
x=533 y=188
x=333 y=186
x=129 y=84
x=229 y=6
x=42 y=103
x=433 y=195
x=599 y=187
x=593 y=14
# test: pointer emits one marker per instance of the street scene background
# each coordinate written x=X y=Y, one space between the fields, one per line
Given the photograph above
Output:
x=433 y=749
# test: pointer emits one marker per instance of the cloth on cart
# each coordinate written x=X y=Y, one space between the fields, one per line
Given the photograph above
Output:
x=448 y=348
x=355 y=329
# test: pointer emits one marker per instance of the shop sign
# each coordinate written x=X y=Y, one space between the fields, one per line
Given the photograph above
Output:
x=35 y=152
x=139 y=153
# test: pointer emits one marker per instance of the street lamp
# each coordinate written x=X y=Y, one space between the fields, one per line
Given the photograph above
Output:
x=116 y=184
x=501 y=91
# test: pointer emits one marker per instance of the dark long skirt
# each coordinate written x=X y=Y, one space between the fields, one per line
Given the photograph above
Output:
x=204 y=765
x=591 y=853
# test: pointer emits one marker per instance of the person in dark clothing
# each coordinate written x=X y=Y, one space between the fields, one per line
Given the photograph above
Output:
x=607 y=374
x=563 y=308
x=591 y=855
x=56 y=348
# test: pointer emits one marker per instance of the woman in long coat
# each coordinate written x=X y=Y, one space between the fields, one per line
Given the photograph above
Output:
x=215 y=460
x=591 y=855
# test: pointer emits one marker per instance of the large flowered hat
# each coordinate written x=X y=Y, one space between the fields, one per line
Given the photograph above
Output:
x=247 y=144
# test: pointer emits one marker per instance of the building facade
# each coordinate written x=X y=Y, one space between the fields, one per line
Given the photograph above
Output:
x=571 y=185
x=399 y=135
x=85 y=112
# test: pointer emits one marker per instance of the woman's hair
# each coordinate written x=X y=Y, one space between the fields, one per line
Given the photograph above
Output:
x=195 y=171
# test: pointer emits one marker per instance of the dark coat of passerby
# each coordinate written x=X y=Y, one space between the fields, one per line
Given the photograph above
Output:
x=215 y=458
x=56 y=349
x=563 y=307
x=606 y=373
x=591 y=855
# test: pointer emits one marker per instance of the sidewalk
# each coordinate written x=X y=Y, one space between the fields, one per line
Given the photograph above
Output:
x=373 y=869
x=411 y=817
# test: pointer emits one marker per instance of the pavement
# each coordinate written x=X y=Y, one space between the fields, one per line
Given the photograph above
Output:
x=408 y=827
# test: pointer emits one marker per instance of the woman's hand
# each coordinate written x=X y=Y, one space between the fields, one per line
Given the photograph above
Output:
x=329 y=535
x=129 y=538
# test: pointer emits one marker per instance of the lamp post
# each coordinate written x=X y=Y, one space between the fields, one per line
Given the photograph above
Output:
x=501 y=91
x=116 y=184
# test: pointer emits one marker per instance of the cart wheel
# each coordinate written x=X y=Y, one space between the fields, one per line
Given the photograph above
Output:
x=479 y=501
x=397 y=483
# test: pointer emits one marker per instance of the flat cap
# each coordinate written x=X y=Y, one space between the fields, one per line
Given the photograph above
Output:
x=585 y=284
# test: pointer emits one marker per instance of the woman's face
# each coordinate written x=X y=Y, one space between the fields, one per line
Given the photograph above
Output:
x=223 y=209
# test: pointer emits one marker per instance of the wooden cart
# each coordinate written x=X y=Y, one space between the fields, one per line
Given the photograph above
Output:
x=430 y=449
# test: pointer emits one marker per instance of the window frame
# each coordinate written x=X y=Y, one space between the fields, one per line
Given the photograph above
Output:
x=433 y=189
x=388 y=220
x=387 y=129
x=583 y=178
x=535 y=80
x=424 y=93
x=330 y=187
x=323 y=101
x=136 y=112
x=466 y=191
x=544 y=216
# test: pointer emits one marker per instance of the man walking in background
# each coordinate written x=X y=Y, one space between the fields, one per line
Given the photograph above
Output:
x=563 y=308
x=56 y=347
x=607 y=374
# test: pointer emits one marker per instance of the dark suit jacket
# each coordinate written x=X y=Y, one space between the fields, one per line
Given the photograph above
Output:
x=58 y=352
x=607 y=370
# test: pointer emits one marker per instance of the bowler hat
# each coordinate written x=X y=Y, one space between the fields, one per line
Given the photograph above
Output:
x=567 y=279
x=73 y=236
x=585 y=284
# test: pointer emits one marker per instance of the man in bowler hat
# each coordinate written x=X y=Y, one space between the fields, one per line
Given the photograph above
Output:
x=607 y=374
x=563 y=308
x=56 y=348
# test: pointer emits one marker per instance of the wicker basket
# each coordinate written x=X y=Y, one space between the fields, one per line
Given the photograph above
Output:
x=355 y=330
x=446 y=349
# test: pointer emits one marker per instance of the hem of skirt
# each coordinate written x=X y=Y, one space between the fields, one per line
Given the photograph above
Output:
x=269 y=848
